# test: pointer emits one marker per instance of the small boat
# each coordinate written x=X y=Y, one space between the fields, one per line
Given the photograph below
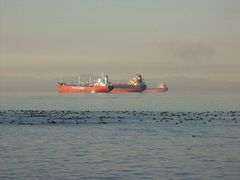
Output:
x=136 y=84
x=162 y=87
x=99 y=86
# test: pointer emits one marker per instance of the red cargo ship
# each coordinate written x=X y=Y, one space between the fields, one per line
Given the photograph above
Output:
x=135 y=85
x=100 y=85
x=162 y=87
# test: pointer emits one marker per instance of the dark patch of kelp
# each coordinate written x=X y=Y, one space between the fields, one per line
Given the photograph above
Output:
x=53 y=117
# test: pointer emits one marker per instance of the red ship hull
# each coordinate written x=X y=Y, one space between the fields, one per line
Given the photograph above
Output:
x=121 y=88
x=156 y=90
x=65 y=88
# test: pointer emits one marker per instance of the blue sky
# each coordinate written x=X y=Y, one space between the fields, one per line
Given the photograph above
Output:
x=189 y=38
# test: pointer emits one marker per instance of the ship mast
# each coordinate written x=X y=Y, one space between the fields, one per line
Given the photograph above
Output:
x=60 y=78
x=102 y=76
x=90 y=80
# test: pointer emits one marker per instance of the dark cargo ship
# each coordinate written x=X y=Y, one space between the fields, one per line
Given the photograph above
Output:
x=136 y=84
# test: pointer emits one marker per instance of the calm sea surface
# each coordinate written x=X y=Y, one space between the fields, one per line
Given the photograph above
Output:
x=126 y=101
x=120 y=136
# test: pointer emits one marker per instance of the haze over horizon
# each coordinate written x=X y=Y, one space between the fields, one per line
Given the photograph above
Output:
x=160 y=39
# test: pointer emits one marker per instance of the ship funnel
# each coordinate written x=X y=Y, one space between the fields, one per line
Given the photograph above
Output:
x=106 y=79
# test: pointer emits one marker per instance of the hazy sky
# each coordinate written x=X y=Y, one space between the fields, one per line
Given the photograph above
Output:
x=171 y=38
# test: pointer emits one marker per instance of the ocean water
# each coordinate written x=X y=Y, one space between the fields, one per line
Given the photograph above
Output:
x=169 y=101
x=120 y=136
